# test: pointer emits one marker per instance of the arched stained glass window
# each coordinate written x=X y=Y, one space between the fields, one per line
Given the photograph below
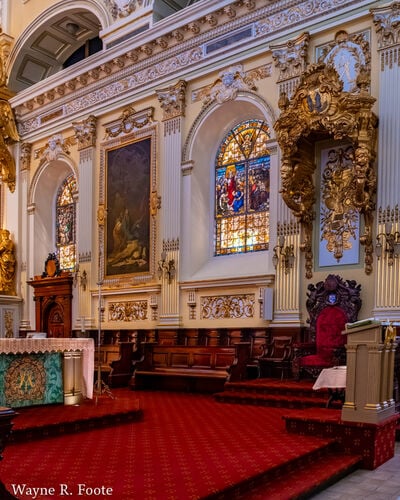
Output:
x=65 y=224
x=242 y=182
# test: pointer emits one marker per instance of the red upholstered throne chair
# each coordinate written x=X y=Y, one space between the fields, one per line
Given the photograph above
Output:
x=330 y=304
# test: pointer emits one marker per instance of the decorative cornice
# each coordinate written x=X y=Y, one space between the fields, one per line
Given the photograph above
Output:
x=130 y=68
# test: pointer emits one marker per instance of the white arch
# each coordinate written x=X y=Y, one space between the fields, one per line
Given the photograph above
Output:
x=211 y=126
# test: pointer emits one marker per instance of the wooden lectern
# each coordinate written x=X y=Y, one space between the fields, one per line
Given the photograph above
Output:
x=370 y=372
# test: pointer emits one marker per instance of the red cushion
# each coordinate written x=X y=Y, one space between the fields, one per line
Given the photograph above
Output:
x=329 y=326
x=316 y=360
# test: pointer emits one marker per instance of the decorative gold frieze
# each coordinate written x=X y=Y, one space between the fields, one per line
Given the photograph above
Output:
x=320 y=109
x=227 y=306
x=173 y=100
x=85 y=132
x=135 y=310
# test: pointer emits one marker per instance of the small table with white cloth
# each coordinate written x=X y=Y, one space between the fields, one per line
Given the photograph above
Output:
x=333 y=379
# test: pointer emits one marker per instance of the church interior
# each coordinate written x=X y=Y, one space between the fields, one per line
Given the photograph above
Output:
x=199 y=246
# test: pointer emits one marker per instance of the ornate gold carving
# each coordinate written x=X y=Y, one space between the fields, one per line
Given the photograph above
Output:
x=85 y=132
x=172 y=100
x=130 y=120
x=227 y=306
x=319 y=109
x=25 y=156
x=8 y=135
x=226 y=87
x=128 y=311
x=9 y=324
x=101 y=215
x=155 y=203
x=7 y=263
x=56 y=146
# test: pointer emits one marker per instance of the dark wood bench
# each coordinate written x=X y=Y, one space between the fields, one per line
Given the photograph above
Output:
x=190 y=368
x=116 y=363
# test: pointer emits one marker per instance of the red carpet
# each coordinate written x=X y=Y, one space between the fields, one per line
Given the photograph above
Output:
x=185 y=447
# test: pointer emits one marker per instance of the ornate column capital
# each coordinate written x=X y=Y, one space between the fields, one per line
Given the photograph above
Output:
x=25 y=156
x=85 y=132
x=386 y=20
x=291 y=57
x=173 y=100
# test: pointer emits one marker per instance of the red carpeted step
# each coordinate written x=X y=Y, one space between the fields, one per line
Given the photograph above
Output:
x=306 y=479
x=282 y=401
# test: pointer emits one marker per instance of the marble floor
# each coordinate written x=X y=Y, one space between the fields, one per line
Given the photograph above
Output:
x=382 y=483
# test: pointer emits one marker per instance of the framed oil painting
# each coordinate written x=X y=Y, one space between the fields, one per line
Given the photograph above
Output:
x=127 y=232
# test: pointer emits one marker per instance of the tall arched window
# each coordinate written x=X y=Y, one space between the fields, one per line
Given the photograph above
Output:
x=65 y=224
x=242 y=181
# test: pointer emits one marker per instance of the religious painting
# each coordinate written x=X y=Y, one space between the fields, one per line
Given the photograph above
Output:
x=339 y=219
x=127 y=231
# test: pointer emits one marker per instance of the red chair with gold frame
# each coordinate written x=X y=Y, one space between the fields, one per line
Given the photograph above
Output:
x=330 y=304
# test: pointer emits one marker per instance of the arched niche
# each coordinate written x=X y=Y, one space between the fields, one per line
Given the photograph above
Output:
x=211 y=126
x=318 y=110
x=42 y=199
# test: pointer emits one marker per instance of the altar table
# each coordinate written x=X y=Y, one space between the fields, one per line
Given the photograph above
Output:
x=42 y=371
x=333 y=379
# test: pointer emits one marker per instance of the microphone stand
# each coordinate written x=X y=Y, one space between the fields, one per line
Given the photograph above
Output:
x=100 y=386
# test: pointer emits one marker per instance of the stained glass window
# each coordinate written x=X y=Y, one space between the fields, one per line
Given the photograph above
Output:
x=65 y=224
x=242 y=184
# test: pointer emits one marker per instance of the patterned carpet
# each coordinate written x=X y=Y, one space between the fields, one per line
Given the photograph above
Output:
x=185 y=447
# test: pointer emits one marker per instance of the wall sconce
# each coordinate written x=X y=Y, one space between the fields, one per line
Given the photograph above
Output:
x=82 y=278
x=166 y=268
x=284 y=255
x=388 y=241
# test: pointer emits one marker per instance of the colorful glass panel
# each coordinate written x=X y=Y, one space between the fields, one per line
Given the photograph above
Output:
x=242 y=188
x=65 y=224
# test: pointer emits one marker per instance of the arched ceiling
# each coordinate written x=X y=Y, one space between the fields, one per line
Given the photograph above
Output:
x=45 y=50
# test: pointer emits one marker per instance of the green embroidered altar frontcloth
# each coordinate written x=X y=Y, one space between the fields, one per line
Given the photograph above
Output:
x=31 y=379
